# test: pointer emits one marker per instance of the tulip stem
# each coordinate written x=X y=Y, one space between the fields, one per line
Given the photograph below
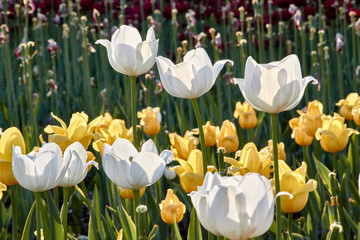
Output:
x=221 y=161
x=133 y=110
x=307 y=160
x=136 y=200
x=65 y=210
x=276 y=173
x=14 y=212
x=290 y=223
x=38 y=215
x=201 y=132
x=334 y=163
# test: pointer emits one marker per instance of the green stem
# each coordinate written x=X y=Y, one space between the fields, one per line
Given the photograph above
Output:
x=56 y=197
x=290 y=223
x=340 y=76
x=65 y=210
x=172 y=232
x=334 y=163
x=221 y=161
x=14 y=212
x=307 y=160
x=133 y=110
x=136 y=200
x=276 y=173
x=201 y=132
x=38 y=215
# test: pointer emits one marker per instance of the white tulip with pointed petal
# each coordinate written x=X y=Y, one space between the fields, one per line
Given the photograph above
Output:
x=130 y=169
x=193 y=77
x=39 y=172
x=128 y=54
x=78 y=167
x=237 y=207
x=274 y=87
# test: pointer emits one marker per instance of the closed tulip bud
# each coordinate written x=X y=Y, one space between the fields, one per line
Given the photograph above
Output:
x=246 y=115
x=274 y=87
x=128 y=193
x=294 y=183
x=182 y=146
x=128 y=54
x=299 y=132
x=150 y=119
x=172 y=210
x=209 y=134
x=227 y=137
x=333 y=134
x=347 y=105
x=10 y=137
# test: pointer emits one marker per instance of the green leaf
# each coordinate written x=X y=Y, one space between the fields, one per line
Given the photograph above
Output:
x=350 y=221
x=45 y=220
x=194 y=232
x=127 y=224
x=30 y=218
x=153 y=232
x=56 y=226
x=324 y=175
x=176 y=229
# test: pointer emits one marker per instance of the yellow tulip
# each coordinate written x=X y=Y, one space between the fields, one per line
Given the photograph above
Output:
x=172 y=208
x=356 y=114
x=250 y=161
x=209 y=134
x=299 y=132
x=191 y=172
x=268 y=151
x=120 y=235
x=294 y=183
x=110 y=130
x=11 y=137
x=333 y=134
x=182 y=146
x=347 y=105
x=128 y=193
x=78 y=130
x=3 y=188
x=312 y=118
x=246 y=115
x=227 y=137
x=150 y=119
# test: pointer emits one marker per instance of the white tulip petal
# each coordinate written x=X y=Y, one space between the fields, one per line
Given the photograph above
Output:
x=149 y=146
x=23 y=169
x=218 y=66
x=146 y=168
x=167 y=156
x=127 y=35
x=117 y=170
x=124 y=148
x=126 y=56
x=198 y=57
x=111 y=55
x=292 y=64
x=145 y=54
x=51 y=147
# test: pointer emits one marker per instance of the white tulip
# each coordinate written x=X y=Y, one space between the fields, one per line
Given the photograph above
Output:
x=128 y=54
x=237 y=207
x=130 y=169
x=193 y=77
x=39 y=172
x=274 y=87
x=78 y=167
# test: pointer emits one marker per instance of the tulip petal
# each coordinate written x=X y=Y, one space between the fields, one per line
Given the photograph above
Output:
x=124 y=148
x=291 y=63
x=149 y=146
x=146 y=168
x=111 y=54
x=116 y=169
x=167 y=155
x=310 y=186
x=24 y=169
x=126 y=35
x=218 y=66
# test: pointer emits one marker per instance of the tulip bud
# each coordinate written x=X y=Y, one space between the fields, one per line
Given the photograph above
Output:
x=128 y=193
x=172 y=210
x=227 y=137
x=150 y=119
x=348 y=104
x=246 y=115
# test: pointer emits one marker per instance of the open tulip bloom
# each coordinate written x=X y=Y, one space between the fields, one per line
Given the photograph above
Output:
x=128 y=54
x=40 y=172
x=193 y=77
x=274 y=87
x=130 y=169
x=237 y=207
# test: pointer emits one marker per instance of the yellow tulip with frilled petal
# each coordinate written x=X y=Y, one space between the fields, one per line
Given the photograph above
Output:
x=333 y=134
x=294 y=183
x=347 y=105
x=150 y=119
x=171 y=208
x=246 y=115
x=78 y=130
x=182 y=146
x=250 y=161
x=191 y=172
x=227 y=137
x=299 y=132
x=11 y=137
x=312 y=118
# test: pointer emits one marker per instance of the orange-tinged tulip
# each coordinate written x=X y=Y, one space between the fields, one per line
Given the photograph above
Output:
x=150 y=119
x=250 y=161
x=2 y=189
x=191 y=172
x=182 y=146
x=11 y=137
x=333 y=134
x=77 y=131
x=227 y=137
x=347 y=105
x=294 y=183
x=209 y=134
x=268 y=151
x=128 y=193
x=299 y=132
x=312 y=118
x=356 y=114
x=246 y=115
x=171 y=208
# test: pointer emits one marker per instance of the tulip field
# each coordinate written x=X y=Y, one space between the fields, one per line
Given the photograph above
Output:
x=199 y=120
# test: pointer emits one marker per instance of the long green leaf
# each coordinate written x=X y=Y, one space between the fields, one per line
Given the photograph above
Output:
x=30 y=218
x=127 y=224
x=324 y=175
x=55 y=222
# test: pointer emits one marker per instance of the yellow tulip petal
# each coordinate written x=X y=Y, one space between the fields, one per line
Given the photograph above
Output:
x=310 y=186
x=62 y=123
x=190 y=181
x=195 y=161
x=232 y=161
x=2 y=189
x=11 y=137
